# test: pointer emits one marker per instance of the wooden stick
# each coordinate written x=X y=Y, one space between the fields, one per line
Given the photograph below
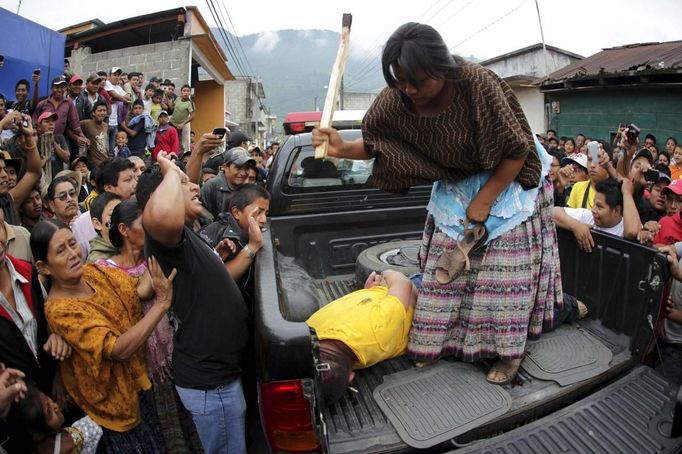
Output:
x=334 y=84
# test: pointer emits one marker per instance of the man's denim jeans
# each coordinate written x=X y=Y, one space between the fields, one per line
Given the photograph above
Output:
x=219 y=417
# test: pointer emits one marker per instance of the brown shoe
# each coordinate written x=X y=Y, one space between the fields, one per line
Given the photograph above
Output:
x=453 y=261
x=503 y=371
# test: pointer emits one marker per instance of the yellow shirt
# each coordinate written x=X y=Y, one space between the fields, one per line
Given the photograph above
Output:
x=575 y=200
x=155 y=110
x=372 y=323
x=88 y=200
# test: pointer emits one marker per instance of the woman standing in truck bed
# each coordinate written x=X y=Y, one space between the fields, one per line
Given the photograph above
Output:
x=489 y=250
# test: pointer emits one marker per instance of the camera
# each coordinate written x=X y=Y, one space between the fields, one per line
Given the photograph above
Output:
x=651 y=175
x=632 y=133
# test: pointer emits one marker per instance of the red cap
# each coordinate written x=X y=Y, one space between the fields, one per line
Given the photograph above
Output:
x=46 y=115
x=74 y=79
x=675 y=187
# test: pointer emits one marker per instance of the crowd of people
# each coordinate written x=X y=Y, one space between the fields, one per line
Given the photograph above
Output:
x=125 y=302
x=630 y=188
x=127 y=247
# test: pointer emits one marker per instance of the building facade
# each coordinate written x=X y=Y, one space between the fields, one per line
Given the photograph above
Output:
x=246 y=97
x=635 y=83
x=522 y=69
x=174 y=44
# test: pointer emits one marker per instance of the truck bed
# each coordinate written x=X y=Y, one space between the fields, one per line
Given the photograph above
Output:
x=631 y=415
x=356 y=423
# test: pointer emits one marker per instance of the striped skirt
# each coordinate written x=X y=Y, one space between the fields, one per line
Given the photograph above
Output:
x=507 y=296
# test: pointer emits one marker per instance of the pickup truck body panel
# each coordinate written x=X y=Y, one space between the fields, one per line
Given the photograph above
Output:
x=312 y=240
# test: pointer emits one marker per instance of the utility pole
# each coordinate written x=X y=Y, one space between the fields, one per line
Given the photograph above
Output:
x=542 y=35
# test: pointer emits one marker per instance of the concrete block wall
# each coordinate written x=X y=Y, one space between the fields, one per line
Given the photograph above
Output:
x=167 y=60
x=236 y=92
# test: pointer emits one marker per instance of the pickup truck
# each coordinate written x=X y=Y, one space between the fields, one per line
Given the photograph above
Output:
x=320 y=222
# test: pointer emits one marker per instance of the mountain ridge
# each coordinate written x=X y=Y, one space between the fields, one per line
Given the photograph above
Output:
x=295 y=65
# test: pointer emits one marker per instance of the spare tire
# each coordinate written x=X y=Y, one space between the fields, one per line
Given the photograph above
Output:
x=394 y=255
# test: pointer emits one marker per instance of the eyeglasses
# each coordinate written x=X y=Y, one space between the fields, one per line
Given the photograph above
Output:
x=66 y=195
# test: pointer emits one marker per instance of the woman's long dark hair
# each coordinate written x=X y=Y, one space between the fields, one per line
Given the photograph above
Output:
x=41 y=234
x=415 y=46
x=126 y=213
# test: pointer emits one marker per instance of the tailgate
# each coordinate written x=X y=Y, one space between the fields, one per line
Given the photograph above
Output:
x=631 y=415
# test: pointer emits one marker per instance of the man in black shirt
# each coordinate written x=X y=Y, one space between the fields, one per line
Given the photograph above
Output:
x=211 y=330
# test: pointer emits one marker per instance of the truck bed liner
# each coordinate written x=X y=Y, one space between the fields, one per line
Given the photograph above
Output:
x=631 y=415
x=357 y=424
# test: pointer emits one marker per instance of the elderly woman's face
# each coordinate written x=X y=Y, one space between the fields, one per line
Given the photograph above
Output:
x=64 y=256
x=428 y=90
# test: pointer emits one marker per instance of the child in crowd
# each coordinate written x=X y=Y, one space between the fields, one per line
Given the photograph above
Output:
x=38 y=420
x=156 y=106
x=141 y=130
x=147 y=98
x=240 y=223
x=121 y=149
x=166 y=137
x=676 y=163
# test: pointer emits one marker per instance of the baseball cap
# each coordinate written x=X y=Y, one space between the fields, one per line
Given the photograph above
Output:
x=15 y=163
x=662 y=176
x=236 y=138
x=673 y=188
x=644 y=153
x=94 y=78
x=238 y=156
x=59 y=80
x=253 y=147
x=46 y=115
x=577 y=158
x=167 y=82
x=155 y=79
x=163 y=112
x=116 y=69
x=75 y=79
x=79 y=159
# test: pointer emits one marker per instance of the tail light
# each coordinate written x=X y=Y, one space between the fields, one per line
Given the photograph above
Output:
x=297 y=127
x=287 y=415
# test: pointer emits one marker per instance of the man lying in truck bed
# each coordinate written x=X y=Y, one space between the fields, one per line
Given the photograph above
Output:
x=363 y=328
x=371 y=325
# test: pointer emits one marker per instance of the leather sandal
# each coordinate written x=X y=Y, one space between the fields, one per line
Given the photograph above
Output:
x=453 y=261
x=508 y=369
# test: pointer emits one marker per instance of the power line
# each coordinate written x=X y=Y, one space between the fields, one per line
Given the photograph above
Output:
x=236 y=36
x=246 y=58
x=226 y=41
x=488 y=26
x=369 y=66
x=452 y=16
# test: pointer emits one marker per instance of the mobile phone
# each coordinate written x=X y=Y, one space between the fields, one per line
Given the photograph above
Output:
x=36 y=72
x=593 y=150
x=651 y=175
x=632 y=133
x=220 y=132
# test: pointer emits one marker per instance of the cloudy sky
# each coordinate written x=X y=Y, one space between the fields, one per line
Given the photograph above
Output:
x=484 y=28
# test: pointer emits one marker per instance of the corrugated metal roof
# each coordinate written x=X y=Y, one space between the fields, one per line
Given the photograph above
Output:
x=624 y=59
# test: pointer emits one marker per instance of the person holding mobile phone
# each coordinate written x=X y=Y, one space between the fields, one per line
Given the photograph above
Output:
x=23 y=103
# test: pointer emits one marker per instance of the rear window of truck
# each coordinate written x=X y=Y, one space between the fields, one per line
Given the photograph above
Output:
x=309 y=174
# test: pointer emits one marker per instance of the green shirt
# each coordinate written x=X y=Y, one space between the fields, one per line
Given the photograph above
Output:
x=182 y=111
